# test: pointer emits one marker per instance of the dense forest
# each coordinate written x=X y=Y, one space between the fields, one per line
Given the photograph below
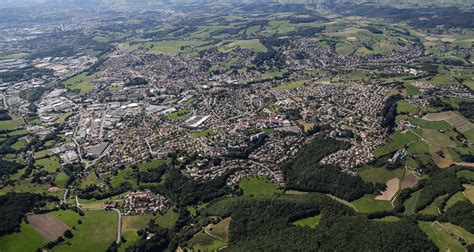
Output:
x=440 y=183
x=186 y=191
x=266 y=224
x=304 y=172
x=13 y=208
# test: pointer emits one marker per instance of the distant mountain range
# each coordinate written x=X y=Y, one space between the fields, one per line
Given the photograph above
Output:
x=22 y=3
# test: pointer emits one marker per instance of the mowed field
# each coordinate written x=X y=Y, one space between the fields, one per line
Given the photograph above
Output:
x=458 y=121
x=97 y=231
x=259 y=186
x=439 y=143
x=49 y=227
x=213 y=237
x=130 y=226
x=27 y=240
x=442 y=239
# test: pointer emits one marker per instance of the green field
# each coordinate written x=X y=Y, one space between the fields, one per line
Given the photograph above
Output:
x=271 y=75
x=397 y=141
x=97 y=231
x=69 y=217
x=215 y=240
x=130 y=226
x=181 y=115
x=253 y=44
x=379 y=175
x=408 y=108
x=260 y=186
x=433 y=208
x=291 y=85
x=167 y=219
x=173 y=47
x=388 y=219
x=412 y=90
x=442 y=239
x=81 y=82
x=368 y=204
x=127 y=174
x=202 y=133
x=459 y=196
x=310 y=222
x=26 y=240
x=10 y=124
x=50 y=164
x=410 y=203
x=469 y=175
x=153 y=164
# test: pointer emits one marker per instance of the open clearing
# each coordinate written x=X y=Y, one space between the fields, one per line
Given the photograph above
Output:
x=443 y=240
x=259 y=186
x=393 y=186
x=457 y=197
x=458 y=121
x=10 y=124
x=130 y=226
x=49 y=227
x=291 y=85
x=97 y=231
x=379 y=175
x=469 y=192
x=26 y=240
x=310 y=222
x=212 y=237
x=368 y=204
x=439 y=143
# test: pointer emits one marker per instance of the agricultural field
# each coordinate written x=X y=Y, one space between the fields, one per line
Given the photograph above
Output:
x=467 y=174
x=97 y=231
x=457 y=197
x=469 y=192
x=379 y=175
x=172 y=47
x=442 y=239
x=9 y=125
x=168 y=219
x=50 y=164
x=368 y=204
x=26 y=240
x=434 y=207
x=260 y=186
x=81 y=82
x=253 y=44
x=291 y=85
x=212 y=237
x=130 y=226
x=397 y=141
x=48 y=226
x=69 y=217
x=393 y=185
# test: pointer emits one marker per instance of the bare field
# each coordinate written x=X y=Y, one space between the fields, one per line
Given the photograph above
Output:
x=49 y=227
x=392 y=188
x=409 y=181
